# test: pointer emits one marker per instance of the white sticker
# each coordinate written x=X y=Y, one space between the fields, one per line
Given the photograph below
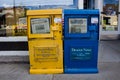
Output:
x=94 y=20
x=57 y=20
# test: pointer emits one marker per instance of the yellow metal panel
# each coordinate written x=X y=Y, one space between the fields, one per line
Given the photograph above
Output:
x=44 y=12
x=46 y=56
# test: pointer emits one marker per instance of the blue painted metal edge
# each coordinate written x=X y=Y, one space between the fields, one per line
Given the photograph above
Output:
x=84 y=71
x=81 y=11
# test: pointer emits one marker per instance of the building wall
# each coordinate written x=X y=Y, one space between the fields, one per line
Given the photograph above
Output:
x=11 y=45
x=17 y=45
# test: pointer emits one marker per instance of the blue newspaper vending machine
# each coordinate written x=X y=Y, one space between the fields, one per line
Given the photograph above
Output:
x=81 y=38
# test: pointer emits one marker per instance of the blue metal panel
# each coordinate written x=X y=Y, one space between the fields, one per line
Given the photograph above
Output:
x=81 y=49
x=80 y=56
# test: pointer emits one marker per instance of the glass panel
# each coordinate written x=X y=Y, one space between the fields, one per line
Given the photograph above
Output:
x=110 y=17
x=77 y=25
x=13 y=13
x=40 y=25
x=89 y=4
x=13 y=21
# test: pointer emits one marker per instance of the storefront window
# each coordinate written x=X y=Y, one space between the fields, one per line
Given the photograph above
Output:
x=110 y=17
x=77 y=25
x=13 y=15
x=13 y=23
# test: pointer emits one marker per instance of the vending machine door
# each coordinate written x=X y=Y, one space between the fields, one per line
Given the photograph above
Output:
x=77 y=27
x=40 y=27
x=81 y=24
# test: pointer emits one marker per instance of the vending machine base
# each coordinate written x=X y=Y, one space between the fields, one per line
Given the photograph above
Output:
x=81 y=70
x=46 y=71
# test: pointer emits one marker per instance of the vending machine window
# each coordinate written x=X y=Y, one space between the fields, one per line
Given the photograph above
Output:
x=77 y=25
x=40 y=25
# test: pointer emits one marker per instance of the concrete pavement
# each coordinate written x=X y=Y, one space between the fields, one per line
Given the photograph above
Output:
x=109 y=67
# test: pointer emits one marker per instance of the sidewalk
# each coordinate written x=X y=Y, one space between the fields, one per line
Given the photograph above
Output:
x=109 y=67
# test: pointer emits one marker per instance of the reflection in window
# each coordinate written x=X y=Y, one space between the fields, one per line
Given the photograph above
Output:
x=13 y=20
x=77 y=25
x=40 y=25
x=110 y=17
x=12 y=24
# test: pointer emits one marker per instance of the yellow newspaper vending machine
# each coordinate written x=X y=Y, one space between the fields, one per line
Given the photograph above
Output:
x=45 y=41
